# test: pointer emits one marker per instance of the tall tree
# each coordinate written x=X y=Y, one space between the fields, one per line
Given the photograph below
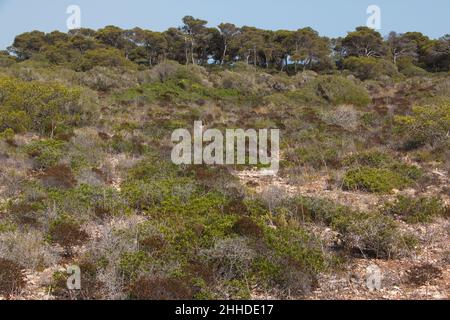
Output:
x=401 y=46
x=228 y=32
x=250 y=42
x=193 y=30
x=27 y=44
x=364 y=42
x=438 y=55
x=308 y=48
x=152 y=44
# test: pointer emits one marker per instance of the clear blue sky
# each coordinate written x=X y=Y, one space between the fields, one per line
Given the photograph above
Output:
x=330 y=17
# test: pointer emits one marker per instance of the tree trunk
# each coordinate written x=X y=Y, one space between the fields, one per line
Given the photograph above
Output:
x=224 y=54
x=192 y=52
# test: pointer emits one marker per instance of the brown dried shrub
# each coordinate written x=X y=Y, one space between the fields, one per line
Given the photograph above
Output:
x=247 y=227
x=90 y=286
x=11 y=277
x=423 y=274
x=153 y=244
x=156 y=288
x=60 y=176
x=67 y=232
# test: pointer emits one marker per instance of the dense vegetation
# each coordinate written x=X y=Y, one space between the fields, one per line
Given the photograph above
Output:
x=86 y=177
x=363 y=51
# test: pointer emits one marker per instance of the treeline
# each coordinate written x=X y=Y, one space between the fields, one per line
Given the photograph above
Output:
x=363 y=51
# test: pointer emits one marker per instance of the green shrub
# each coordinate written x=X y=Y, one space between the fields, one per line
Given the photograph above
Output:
x=45 y=153
x=306 y=209
x=370 y=233
x=414 y=71
x=318 y=155
x=103 y=57
x=180 y=92
x=370 y=68
x=132 y=264
x=46 y=105
x=376 y=171
x=19 y=121
x=373 y=180
x=374 y=159
x=373 y=235
x=417 y=210
x=86 y=200
x=426 y=125
x=297 y=245
x=339 y=90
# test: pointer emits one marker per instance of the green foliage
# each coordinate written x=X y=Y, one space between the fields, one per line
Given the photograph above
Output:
x=373 y=234
x=132 y=264
x=339 y=90
x=369 y=68
x=180 y=91
x=370 y=233
x=45 y=153
x=425 y=125
x=375 y=171
x=376 y=159
x=44 y=106
x=414 y=71
x=374 y=180
x=18 y=121
x=417 y=210
x=318 y=155
x=86 y=200
x=296 y=245
x=103 y=57
x=8 y=135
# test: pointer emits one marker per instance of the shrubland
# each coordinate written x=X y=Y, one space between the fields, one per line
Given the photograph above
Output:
x=86 y=177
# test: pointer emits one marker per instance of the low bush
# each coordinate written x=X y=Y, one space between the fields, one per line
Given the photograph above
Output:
x=373 y=159
x=417 y=210
x=375 y=171
x=158 y=288
x=88 y=201
x=133 y=264
x=90 y=286
x=27 y=249
x=66 y=232
x=338 y=90
x=373 y=235
x=60 y=177
x=370 y=68
x=18 y=121
x=368 y=233
x=232 y=258
x=103 y=57
x=47 y=106
x=45 y=153
x=425 y=125
x=373 y=180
